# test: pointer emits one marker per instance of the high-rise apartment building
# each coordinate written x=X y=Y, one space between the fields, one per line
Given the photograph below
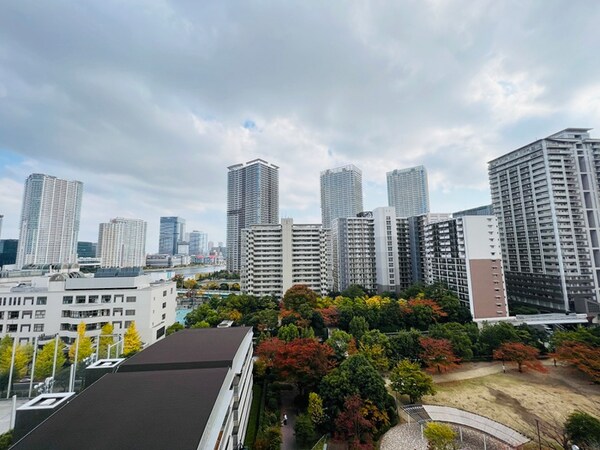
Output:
x=276 y=257
x=122 y=243
x=464 y=254
x=198 y=242
x=341 y=193
x=172 y=230
x=408 y=191
x=49 y=221
x=252 y=199
x=547 y=199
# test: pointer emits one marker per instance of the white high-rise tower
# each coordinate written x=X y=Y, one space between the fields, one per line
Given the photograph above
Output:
x=122 y=243
x=408 y=191
x=341 y=193
x=49 y=221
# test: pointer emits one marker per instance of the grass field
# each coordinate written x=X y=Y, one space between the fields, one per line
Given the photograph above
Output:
x=518 y=399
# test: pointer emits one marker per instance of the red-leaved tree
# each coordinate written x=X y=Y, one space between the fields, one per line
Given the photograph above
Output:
x=352 y=426
x=437 y=354
x=583 y=356
x=524 y=355
x=330 y=315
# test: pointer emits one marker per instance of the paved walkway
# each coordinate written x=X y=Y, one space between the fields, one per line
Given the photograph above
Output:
x=288 y=440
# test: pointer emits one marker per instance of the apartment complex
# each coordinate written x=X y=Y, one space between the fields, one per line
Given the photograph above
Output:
x=122 y=243
x=172 y=231
x=465 y=255
x=547 y=199
x=408 y=191
x=49 y=221
x=59 y=302
x=341 y=193
x=190 y=391
x=276 y=257
x=252 y=199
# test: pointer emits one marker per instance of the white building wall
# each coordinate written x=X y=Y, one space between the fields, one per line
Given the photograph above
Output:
x=386 y=248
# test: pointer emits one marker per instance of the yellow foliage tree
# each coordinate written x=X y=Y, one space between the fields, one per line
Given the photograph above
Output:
x=45 y=359
x=84 y=344
x=23 y=354
x=105 y=340
x=132 y=343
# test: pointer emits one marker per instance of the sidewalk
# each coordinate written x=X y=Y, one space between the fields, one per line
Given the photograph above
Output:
x=288 y=440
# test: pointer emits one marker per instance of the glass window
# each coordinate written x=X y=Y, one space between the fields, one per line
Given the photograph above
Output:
x=38 y=327
x=130 y=312
x=93 y=299
x=67 y=300
x=130 y=299
x=41 y=301
x=80 y=299
x=106 y=299
x=12 y=328
x=13 y=314
x=27 y=314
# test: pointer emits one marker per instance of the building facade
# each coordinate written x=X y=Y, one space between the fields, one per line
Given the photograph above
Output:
x=122 y=243
x=86 y=249
x=172 y=230
x=252 y=199
x=486 y=210
x=8 y=251
x=408 y=191
x=276 y=257
x=547 y=199
x=59 y=302
x=198 y=242
x=341 y=193
x=49 y=221
x=464 y=254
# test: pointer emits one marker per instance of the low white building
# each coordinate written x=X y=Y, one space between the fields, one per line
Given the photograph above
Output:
x=59 y=302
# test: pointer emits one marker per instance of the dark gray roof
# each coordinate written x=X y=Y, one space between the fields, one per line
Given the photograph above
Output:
x=150 y=410
x=190 y=349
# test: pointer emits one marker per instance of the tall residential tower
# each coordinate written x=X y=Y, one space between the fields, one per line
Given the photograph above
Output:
x=49 y=221
x=122 y=243
x=172 y=230
x=341 y=193
x=546 y=198
x=252 y=199
x=408 y=191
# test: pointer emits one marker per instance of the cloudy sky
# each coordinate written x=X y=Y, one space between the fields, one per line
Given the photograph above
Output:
x=147 y=101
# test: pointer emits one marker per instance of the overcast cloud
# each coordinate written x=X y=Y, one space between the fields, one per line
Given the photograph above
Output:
x=147 y=102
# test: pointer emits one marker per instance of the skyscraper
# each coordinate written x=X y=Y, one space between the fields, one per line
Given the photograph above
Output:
x=172 y=230
x=408 y=191
x=546 y=198
x=198 y=242
x=49 y=220
x=122 y=243
x=341 y=193
x=252 y=199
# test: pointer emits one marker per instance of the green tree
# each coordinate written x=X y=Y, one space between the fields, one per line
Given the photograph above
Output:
x=493 y=336
x=190 y=283
x=405 y=345
x=45 y=359
x=315 y=409
x=201 y=324
x=132 y=342
x=83 y=344
x=407 y=378
x=6 y=440
x=583 y=429
x=304 y=430
x=358 y=326
x=288 y=332
x=440 y=436
x=174 y=328
x=297 y=295
x=458 y=337
x=353 y=291
x=339 y=341
x=106 y=338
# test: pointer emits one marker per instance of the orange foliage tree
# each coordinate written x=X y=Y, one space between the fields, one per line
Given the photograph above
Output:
x=524 y=355
x=437 y=354
x=583 y=356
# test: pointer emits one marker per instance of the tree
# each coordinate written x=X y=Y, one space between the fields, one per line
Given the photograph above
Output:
x=353 y=291
x=351 y=425
x=493 y=336
x=405 y=345
x=458 y=337
x=583 y=429
x=420 y=312
x=583 y=356
x=437 y=354
x=174 y=328
x=304 y=430
x=523 y=355
x=178 y=279
x=440 y=436
x=297 y=295
x=106 y=338
x=190 y=284
x=339 y=341
x=315 y=409
x=44 y=361
x=288 y=332
x=82 y=346
x=407 y=378
x=23 y=355
x=358 y=326
x=132 y=342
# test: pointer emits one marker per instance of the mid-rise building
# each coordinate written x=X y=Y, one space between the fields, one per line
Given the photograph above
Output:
x=408 y=191
x=8 y=251
x=49 y=221
x=252 y=199
x=464 y=254
x=160 y=260
x=547 y=199
x=122 y=243
x=341 y=193
x=59 y=302
x=172 y=230
x=276 y=257
x=86 y=249
x=485 y=210
x=198 y=242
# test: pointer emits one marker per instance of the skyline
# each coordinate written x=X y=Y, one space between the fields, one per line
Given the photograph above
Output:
x=150 y=111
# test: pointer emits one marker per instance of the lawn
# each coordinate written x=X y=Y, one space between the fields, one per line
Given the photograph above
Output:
x=518 y=399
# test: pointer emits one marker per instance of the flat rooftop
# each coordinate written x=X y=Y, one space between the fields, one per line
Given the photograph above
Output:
x=151 y=410
x=190 y=349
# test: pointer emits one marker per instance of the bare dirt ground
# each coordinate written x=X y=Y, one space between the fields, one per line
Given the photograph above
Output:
x=518 y=399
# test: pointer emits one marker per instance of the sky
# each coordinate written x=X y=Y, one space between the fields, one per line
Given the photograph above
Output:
x=148 y=101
